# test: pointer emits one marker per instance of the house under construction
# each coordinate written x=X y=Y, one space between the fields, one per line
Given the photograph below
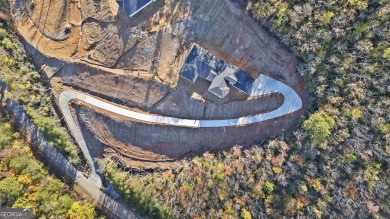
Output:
x=200 y=63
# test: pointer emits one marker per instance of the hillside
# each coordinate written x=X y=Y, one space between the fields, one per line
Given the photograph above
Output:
x=135 y=63
x=336 y=164
x=329 y=158
x=25 y=183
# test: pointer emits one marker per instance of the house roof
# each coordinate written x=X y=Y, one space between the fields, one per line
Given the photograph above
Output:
x=133 y=6
x=221 y=90
x=201 y=63
x=244 y=81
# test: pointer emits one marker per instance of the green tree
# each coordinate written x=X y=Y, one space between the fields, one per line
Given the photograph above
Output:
x=6 y=135
x=327 y=17
x=269 y=187
x=78 y=211
x=8 y=44
x=386 y=54
x=50 y=198
x=359 y=4
x=63 y=205
x=246 y=214
x=10 y=189
x=371 y=174
x=350 y=158
x=20 y=163
x=318 y=127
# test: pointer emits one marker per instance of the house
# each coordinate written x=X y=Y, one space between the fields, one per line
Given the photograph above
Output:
x=200 y=63
x=133 y=7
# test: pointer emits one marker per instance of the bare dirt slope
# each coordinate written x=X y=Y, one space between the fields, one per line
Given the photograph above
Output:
x=93 y=31
x=94 y=47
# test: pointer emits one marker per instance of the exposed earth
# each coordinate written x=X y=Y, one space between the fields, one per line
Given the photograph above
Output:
x=96 y=48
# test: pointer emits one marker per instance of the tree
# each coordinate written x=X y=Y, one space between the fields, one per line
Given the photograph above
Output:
x=63 y=205
x=246 y=214
x=318 y=127
x=50 y=198
x=6 y=135
x=371 y=174
x=77 y=211
x=10 y=188
x=269 y=187
x=20 y=163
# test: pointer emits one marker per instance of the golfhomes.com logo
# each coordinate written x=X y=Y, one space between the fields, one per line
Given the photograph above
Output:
x=16 y=213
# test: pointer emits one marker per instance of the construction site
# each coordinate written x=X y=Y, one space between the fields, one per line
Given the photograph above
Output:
x=197 y=75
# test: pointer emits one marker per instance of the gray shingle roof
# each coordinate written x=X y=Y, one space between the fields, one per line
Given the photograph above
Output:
x=132 y=6
x=201 y=63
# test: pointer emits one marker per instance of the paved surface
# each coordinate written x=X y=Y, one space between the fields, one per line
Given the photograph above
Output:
x=108 y=202
x=65 y=97
x=263 y=85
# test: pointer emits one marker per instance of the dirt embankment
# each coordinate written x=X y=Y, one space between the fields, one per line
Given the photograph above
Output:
x=153 y=144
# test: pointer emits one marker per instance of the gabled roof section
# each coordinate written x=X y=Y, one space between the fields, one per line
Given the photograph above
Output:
x=200 y=63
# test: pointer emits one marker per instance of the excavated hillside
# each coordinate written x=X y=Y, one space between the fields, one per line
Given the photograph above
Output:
x=95 y=47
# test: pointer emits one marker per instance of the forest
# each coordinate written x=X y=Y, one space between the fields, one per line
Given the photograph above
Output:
x=26 y=183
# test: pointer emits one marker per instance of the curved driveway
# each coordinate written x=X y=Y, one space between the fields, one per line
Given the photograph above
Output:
x=262 y=85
